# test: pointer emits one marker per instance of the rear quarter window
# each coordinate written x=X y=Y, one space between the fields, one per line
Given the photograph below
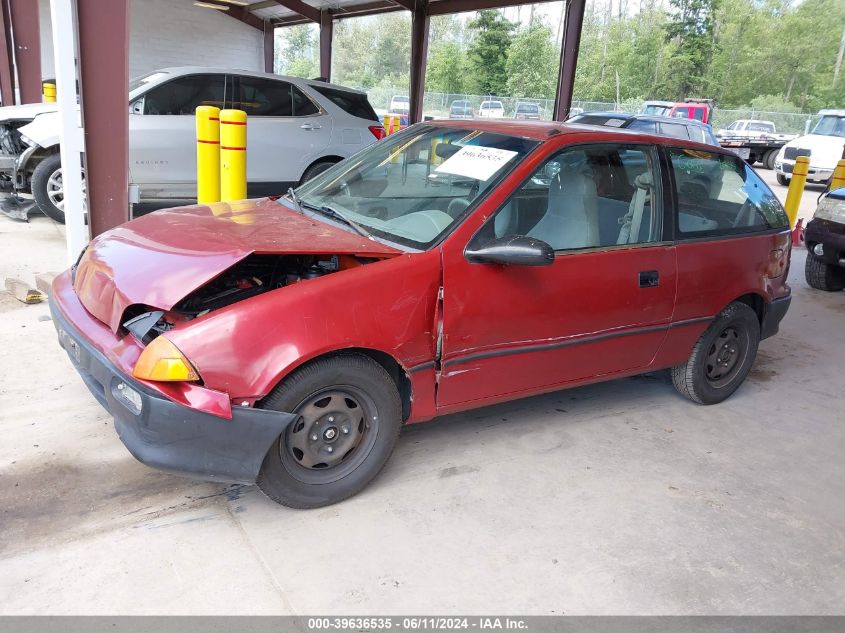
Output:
x=719 y=194
x=350 y=102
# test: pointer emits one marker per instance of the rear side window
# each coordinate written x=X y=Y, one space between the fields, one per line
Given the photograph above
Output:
x=184 y=94
x=649 y=127
x=350 y=102
x=675 y=130
x=720 y=195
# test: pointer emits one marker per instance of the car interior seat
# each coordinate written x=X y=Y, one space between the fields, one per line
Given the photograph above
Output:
x=571 y=219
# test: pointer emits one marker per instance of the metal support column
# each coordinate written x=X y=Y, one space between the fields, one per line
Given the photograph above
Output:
x=269 y=47
x=71 y=141
x=326 y=29
x=27 y=45
x=573 y=22
x=419 y=52
x=7 y=82
x=104 y=81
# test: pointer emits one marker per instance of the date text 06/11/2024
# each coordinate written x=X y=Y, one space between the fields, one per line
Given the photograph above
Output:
x=428 y=623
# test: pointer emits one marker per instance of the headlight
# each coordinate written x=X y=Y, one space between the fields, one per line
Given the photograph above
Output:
x=832 y=209
x=162 y=360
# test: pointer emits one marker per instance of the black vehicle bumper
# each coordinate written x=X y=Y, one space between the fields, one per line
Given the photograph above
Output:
x=167 y=435
x=831 y=235
x=774 y=315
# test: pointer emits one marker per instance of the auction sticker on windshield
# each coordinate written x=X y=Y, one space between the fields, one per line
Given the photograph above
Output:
x=476 y=161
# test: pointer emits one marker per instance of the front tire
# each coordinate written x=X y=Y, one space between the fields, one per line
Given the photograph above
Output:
x=769 y=159
x=47 y=187
x=822 y=276
x=350 y=415
x=783 y=180
x=722 y=357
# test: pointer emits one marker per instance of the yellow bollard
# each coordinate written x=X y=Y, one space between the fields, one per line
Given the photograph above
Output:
x=796 y=188
x=48 y=89
x=208 y=154
x=232 y=155
x=838 y=178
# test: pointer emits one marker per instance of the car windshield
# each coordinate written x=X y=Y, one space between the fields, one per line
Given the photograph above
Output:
x=413 y=187
x=528 y=107
x=659 y=110
x=830 y=125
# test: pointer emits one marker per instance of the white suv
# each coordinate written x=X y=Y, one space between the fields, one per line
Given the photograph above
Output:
x=296 y=129
x=491 y=110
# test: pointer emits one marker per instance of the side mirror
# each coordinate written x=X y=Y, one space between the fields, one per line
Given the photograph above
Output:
x=517 y=250
x=137 y=106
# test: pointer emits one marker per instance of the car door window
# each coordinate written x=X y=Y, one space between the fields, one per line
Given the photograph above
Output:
x=303 y=106
x=264 y=97
x=675 y=130
x=587 y=197
x=719 y=194
x=184 y=95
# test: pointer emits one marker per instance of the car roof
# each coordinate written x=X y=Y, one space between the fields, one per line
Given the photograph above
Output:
x=193 y=70
x=548 y=130
x=628 y=116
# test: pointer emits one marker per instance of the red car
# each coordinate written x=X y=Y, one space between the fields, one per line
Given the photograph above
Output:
x=451 y=266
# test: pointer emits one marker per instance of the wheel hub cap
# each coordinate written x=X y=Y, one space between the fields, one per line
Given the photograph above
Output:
x=329 y=429
x=724 y=356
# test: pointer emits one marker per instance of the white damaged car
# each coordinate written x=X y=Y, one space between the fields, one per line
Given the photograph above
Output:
x=823 y=146
x=297 y=128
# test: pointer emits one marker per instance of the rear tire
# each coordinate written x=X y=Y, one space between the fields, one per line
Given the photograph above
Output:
x=823 y=276
x=783 y=180
x=47 y=187
x=315 y=170
x=722 y=357
x=769 y=159
x=350 y=415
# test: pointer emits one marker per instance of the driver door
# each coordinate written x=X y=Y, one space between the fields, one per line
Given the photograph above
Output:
x=602 y=307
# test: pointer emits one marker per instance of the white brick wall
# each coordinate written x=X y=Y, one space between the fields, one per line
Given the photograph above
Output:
x=175 y=33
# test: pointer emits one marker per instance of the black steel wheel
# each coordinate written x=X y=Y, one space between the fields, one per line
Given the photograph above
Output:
x=349 y=415
x=721 y=358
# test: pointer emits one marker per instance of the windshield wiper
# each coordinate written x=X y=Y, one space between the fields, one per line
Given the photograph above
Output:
x=336 y=215
x=294 y=199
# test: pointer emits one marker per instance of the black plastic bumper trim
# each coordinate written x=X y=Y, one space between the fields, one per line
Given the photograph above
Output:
x=167 y=435
x=775 y=312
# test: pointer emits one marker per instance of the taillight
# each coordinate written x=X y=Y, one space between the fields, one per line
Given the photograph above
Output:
x=377 y=131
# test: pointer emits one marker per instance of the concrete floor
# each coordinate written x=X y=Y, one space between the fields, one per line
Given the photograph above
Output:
x=611 y=499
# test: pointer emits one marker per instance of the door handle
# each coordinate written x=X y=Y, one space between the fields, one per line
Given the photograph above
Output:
x=310 y=126
x=649 y=279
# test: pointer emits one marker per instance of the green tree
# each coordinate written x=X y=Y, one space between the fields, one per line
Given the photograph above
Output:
x=488 y=52
x=532 y=63
x=297 y=53
x=691 y=30
x=446 y=69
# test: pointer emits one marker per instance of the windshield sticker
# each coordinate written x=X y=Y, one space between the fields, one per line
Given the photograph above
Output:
x=476 y=161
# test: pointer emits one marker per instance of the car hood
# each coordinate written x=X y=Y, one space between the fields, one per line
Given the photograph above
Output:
x=26 y=112
x=825 y=151
x=160 y=258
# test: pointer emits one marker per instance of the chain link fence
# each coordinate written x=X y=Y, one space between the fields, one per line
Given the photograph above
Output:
x=438 y=104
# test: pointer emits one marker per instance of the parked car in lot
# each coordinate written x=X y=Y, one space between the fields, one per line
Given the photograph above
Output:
x=690 y=129
x=754 y=140
x=460 y=109
x=825 y=240
x=400 y=104
x=526 y=110
x=823 y=146
x=297 y=128
x=287 y=341
x=698 y=109
x=491 y=110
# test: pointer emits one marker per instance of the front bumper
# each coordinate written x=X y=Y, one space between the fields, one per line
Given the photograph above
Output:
x=774 y=314
x=814 y=174
x=831 y=235
x=167 y=435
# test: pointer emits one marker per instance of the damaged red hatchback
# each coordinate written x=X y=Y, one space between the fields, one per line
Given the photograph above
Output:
x=447 y=267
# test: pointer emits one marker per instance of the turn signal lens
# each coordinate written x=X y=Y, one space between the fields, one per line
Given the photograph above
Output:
x=162 y=360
